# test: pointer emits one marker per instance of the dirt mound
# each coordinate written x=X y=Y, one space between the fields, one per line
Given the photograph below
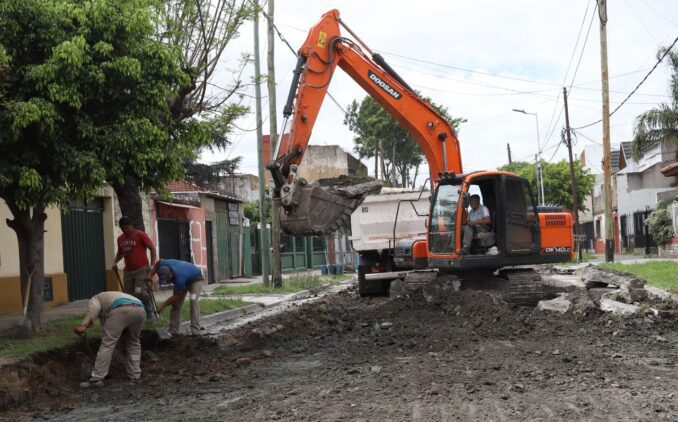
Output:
x=343 y=357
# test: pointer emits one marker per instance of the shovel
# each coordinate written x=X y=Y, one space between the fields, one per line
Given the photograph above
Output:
x=117 y=275
x=23 y=328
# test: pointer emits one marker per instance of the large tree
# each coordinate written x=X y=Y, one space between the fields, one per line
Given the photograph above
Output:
x=660 y=123
x=557 y=182
x=376 y=132
x=83 y=91
x=199 y=31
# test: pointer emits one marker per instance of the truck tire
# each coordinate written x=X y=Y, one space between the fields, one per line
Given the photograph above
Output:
x=371 y=288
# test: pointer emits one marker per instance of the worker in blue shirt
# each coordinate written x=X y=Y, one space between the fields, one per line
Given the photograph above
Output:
x=187 y=278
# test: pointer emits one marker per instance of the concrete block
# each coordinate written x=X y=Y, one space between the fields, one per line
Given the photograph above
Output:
x=618 y=308
x=561 y=304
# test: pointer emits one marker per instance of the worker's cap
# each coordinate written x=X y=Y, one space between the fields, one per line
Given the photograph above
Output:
x=163 y=273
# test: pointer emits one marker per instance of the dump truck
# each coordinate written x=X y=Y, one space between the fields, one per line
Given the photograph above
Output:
x=394 y=218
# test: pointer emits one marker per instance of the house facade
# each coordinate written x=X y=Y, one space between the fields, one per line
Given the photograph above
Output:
x=80 y=245
x=641 y=185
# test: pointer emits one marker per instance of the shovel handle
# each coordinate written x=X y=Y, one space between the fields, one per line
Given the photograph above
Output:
x=28 y=290
x=117 y=275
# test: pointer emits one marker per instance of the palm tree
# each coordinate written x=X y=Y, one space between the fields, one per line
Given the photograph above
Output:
x=660 y=123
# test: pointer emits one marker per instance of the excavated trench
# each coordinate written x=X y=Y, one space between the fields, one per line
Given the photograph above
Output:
x=461 y=355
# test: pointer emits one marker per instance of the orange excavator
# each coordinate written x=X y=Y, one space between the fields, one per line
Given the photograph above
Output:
x=520 y=233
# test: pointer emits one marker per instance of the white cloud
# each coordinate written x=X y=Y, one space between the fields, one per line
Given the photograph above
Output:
x=526 y=39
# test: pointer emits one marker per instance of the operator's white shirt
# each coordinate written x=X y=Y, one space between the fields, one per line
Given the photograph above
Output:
x=479 y=213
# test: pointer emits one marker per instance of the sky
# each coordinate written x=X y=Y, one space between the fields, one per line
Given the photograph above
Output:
x=481 y=59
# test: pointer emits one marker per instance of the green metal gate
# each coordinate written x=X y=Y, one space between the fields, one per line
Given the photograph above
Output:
x=82 y=236
x=223 y=250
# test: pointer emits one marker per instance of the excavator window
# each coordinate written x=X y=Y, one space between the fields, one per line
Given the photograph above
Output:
x=443 y=219
x=521 y=232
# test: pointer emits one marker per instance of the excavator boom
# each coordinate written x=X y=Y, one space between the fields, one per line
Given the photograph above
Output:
x=314 y=208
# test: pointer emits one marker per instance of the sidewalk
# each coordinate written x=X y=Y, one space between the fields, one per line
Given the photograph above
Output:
x=79 y=307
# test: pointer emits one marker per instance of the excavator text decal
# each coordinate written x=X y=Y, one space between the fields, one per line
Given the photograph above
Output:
x=322 y=37
x=383 y=85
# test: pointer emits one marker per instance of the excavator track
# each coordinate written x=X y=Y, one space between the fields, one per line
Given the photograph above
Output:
x=524 y=286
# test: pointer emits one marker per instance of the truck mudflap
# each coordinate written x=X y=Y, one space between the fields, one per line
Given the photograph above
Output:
x=319 y=208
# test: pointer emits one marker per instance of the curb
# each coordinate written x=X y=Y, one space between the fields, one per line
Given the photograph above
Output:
x=215 y=318
x=232 y=314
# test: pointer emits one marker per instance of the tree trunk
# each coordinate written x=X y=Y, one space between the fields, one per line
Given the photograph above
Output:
x=30 y=233
x=129 y=199
x=384 y=174
x=376 y=163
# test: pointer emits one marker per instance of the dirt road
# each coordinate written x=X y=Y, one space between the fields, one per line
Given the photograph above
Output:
x=465 y=355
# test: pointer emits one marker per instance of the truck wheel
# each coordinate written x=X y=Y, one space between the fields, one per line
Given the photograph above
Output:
x=371 y=288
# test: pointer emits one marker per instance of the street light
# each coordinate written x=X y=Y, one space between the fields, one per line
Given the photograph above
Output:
x=540 y=173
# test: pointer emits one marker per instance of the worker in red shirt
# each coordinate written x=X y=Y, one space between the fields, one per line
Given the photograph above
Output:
x=132 y=245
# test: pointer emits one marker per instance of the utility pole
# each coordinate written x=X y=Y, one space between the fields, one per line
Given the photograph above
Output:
x=272 y=113
x=537 y=172
x=575 y=209
x=537 y=159
x=607 y=171
x=393 y=169
x=508 y=148
x=260 y=153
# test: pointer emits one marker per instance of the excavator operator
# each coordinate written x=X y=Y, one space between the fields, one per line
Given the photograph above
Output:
x=478 y=221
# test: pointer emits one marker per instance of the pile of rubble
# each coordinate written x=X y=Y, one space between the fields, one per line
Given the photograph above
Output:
x=625 y=294
x=618 y=293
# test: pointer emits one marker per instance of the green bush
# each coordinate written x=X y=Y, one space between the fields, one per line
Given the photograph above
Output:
x=660 y=225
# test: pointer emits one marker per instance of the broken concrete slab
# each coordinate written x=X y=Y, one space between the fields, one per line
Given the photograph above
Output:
x=560 y=304
x=597 y=293
x=594 y=277
x=618 y=308
x=561 y=270
x=657 y=293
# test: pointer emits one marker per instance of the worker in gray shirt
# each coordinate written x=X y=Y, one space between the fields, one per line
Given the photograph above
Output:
x=121 y=315
x=478 y=220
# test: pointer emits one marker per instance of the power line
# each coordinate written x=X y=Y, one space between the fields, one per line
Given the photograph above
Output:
x=574 y=50
x=284 y=40
x=666 y=52
x=336 y=103
x=640 y=21
x=466 y=70
x=552 y=129
x=583 y=48
x=586 y=137
x=556 y=86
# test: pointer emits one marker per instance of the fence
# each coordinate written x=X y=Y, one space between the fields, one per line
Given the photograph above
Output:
x=634 y=232
x=297 y=252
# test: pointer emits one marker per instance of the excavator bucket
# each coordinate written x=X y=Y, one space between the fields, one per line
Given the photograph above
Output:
x=322 y=207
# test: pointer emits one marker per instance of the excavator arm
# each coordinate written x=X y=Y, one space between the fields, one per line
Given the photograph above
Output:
x=313 y=208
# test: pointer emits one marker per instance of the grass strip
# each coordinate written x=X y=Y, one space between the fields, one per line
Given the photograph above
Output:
x=660 y=274
x=58 y=333
x=54 y=334
x=292 y=284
